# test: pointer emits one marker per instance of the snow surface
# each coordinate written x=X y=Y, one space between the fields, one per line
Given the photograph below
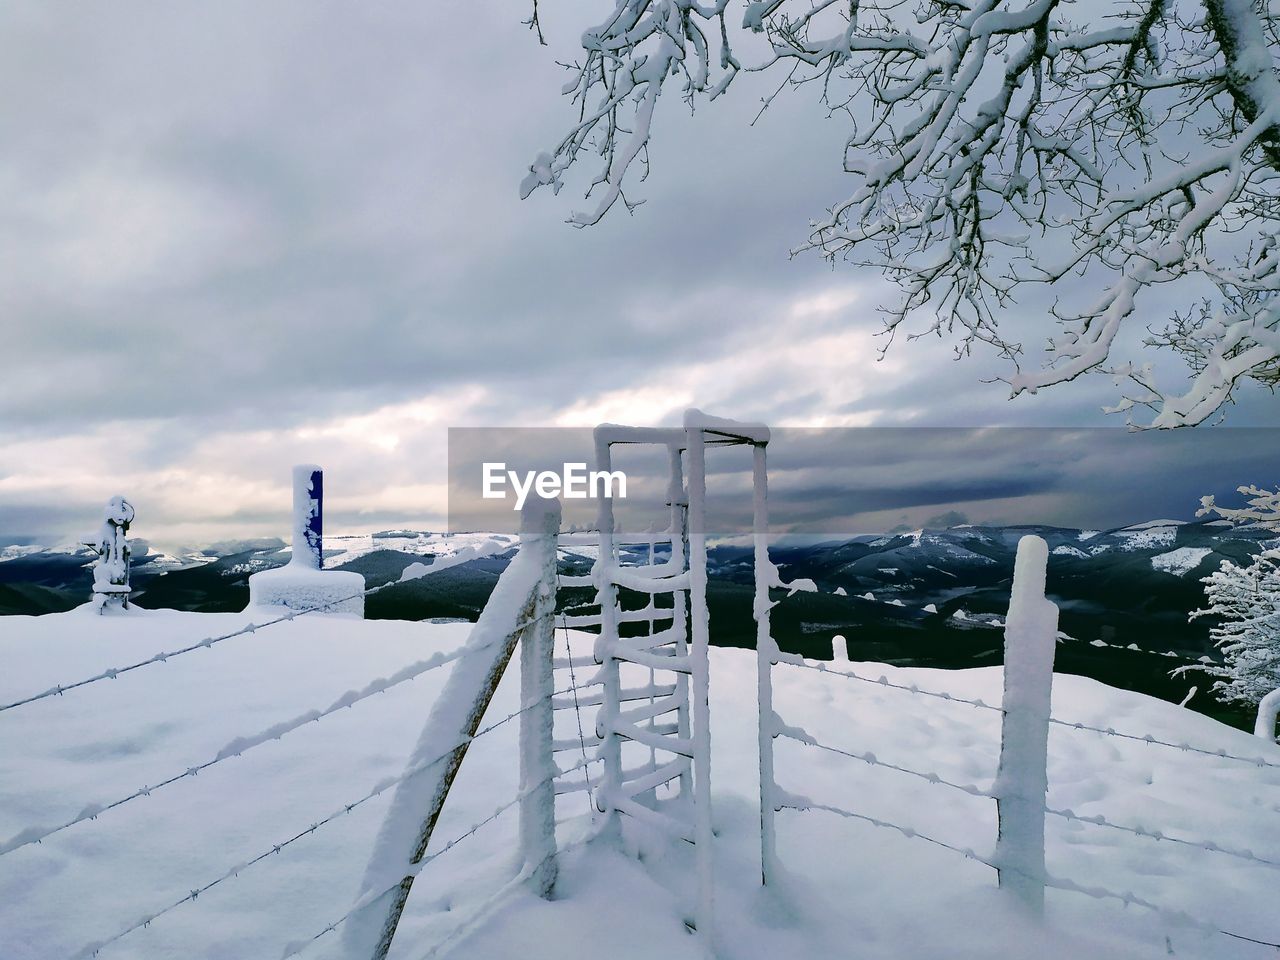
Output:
x=1064 y=550
x=1180 y=562
x=844 y=882
x=1147 y=538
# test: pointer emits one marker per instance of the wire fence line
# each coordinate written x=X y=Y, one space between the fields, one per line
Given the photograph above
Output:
x=819 y=666
x=111 y=673
x=790 y=801
x=238 y=747
x=1258 y=761
x=93 y=949
x=366 y=900
x=577 y=707
x=482 y=912
x=800 y=736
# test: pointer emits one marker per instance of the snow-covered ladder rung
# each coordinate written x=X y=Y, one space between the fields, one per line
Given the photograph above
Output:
x=648 y=737
x=574 y=663
x=656 y=661
x=573 y=743
x=655 y=777
x=657 y=708
x=638 y=811
x=595 y=699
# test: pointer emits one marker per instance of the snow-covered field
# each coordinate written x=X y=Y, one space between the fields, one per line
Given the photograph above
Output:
x=851 y=890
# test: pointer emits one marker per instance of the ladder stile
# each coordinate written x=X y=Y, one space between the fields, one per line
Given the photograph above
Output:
x=766 y=657
x=606 y=597
x=699 y=621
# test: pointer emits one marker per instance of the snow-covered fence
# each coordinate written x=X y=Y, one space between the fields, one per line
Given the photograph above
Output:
x=522 y=605
x=1020 y=788
x=1022 y=784
x=522 y=609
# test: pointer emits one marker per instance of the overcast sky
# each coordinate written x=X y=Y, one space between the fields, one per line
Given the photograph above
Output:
x=237 y=236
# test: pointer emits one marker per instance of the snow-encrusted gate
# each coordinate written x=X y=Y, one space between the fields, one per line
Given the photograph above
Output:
x=652 y=731
x=654 y=738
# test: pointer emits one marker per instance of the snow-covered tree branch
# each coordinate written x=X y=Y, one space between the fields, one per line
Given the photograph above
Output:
x=998 y=147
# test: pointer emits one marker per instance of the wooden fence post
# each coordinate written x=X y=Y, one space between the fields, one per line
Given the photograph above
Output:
x=452 y=723
x=537 y=683
x=1265 y=725
x=1022 y=784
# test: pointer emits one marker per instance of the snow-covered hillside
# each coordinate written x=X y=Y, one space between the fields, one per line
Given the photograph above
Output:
x=852 y=889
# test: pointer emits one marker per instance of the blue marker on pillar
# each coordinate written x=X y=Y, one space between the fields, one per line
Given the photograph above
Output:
x=308 y=516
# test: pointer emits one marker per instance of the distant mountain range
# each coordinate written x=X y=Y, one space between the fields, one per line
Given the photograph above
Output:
x=923 y=598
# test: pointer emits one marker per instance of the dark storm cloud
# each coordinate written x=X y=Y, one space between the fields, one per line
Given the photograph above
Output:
x=235 y=236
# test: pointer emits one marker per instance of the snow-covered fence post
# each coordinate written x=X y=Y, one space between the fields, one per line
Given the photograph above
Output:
x=442 y=745
x=1268 y=709
x=538 y=535
x=308 y=515
x=839 y=649
x=1022 y=784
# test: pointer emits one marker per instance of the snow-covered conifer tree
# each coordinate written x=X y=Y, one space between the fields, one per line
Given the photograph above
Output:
x=1246 y=601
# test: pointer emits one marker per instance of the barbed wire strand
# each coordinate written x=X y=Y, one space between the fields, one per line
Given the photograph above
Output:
x=1156 y=741
x=368 y=899
x=791 y=801
x=239 y=747
x=112 y=673
x=577 y=709
x=820 y=667
x=1209 y=845
x=92 y=949
x=469 y=925
x=801 y=736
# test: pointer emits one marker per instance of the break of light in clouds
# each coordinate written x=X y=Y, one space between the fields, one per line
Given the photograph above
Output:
x=238 y=237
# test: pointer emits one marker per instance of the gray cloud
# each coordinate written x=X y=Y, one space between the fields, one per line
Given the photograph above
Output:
x=237 y=236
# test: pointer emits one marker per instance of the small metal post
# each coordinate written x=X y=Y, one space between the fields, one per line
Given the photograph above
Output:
x=308 y=516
